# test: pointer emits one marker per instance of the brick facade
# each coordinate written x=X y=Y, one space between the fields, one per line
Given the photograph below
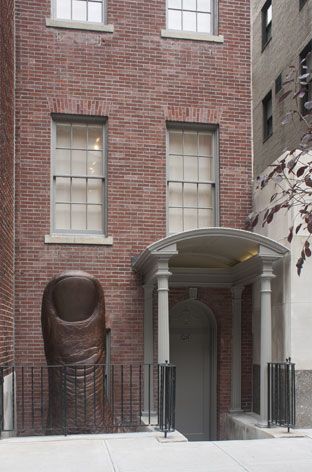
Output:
x=138 y=81
x=7 y=180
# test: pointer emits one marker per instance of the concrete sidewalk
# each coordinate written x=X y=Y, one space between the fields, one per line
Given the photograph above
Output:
x=145 y=452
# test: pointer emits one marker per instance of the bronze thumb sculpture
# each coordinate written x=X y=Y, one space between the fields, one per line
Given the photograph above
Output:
x=73 y=326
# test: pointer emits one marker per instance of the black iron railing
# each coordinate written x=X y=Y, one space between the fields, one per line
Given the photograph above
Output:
x=282 y=394
x=167 y=395
x=46 y=400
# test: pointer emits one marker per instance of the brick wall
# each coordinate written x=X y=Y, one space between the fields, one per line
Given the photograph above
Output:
x=138 y=80
x=6 y=180
x=247 y=349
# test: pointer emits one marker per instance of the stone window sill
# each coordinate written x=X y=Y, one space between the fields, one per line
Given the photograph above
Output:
x=78 y=239
x=79 y=25
x=192 y=36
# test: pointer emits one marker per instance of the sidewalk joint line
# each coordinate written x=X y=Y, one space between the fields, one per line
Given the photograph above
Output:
x=232 y=457
x=115 y=469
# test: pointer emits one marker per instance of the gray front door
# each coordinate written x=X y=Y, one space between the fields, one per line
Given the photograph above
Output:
x=191 y=351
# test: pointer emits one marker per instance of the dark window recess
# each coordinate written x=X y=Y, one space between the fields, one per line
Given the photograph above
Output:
x=306 y=81
x=267 y=116
x=278 y=83
x=266 y=23
x=302 y=3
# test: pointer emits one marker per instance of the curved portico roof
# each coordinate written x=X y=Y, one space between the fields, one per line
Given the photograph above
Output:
x=216 y=247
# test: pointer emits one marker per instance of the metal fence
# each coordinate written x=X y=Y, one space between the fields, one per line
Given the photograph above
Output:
x=46 y=400
x=282 y=394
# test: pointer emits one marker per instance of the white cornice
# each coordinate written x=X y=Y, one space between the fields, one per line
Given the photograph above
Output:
x=167 y=247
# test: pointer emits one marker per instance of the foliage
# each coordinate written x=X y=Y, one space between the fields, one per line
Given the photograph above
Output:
x=292 y=174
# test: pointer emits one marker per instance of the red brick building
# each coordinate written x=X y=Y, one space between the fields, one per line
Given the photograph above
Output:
x=132 y=126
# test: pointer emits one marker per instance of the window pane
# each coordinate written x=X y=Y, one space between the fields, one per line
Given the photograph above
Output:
x=189 y=21
x=95 y=191
x=190 y=195
x=95 y=163
x=190 y=144
x=95 y=12
x=95 y=138
x=174 y=20
x=63 y=136
x=189 y=5
x=175 y=194
x=63 y=9
x=204 y=5
x=204 y=169
x=269 y=15
x=62 y=162
x=176 y=168
x=79 y=10
x=174 y=4
x=175 y=220
x=205 y=195
x=79 y=137
x=190 y=219
x=62 y=217
x=203 y=23
x=79 y=217
x=175 y=142
x=95 y=217
x=79 y=191
x=204 y=144
x=79 y=160
x=205 y=218
x=190 y=168
x=62 y=190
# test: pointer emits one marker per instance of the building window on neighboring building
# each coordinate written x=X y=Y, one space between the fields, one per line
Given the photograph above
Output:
x=266 y=23
x=79 y=10
x=306 y=75
x=302 y=3
x=267 y=116
x=191 y=15
x=79 y=177
x=191 y=163
x=278 y=83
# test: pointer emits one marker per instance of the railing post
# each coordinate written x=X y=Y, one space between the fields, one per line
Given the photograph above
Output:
x=166 y=397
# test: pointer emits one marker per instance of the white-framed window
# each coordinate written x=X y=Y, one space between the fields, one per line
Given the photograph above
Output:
x=91 y=11
x=78 y=176
x=191 y=15
x=191 y=178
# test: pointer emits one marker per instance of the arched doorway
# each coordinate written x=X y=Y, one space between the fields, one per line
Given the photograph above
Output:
x=193 y=351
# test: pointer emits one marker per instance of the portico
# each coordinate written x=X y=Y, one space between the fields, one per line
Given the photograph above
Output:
x=211 y=258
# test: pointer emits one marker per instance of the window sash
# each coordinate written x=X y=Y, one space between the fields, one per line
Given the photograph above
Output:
x=266 y=23
x=197 y=202
x=197 y=14
x=73 y=7
x=93 y=204
x=267 y=116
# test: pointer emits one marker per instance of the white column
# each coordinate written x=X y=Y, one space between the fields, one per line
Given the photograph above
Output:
x=236 y=349
x=266 y=336
x=148 y=347
x=162 y=276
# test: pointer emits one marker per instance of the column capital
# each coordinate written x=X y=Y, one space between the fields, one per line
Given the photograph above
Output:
x=236 y=291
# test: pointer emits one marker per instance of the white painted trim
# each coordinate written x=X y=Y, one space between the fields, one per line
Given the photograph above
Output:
x=191 y=36
x=166 y=245
x=79 y=25
x=78 y=239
